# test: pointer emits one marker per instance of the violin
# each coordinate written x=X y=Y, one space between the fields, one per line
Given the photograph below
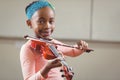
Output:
x=50 y=52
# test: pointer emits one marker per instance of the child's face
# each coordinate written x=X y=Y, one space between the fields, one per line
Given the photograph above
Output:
x=43 y=22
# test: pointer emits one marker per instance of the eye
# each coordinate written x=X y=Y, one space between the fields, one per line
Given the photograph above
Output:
x=51 y=21
x=41 y=21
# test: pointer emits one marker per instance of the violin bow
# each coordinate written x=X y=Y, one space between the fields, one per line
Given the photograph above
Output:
x=46 y=40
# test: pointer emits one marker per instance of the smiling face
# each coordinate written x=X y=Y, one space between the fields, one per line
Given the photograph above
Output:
x=42 y=22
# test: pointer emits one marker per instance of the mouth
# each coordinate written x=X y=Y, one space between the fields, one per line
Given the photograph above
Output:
x=45 y=33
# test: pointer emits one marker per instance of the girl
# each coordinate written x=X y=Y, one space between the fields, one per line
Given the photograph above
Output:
x=41 y=19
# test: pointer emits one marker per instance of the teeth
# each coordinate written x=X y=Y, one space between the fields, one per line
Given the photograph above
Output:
x=45 y=33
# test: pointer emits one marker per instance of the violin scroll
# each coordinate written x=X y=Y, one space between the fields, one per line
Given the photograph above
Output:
x=67 y=73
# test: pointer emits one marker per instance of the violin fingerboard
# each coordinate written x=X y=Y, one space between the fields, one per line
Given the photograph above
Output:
x=57 y=54
x=54 y=50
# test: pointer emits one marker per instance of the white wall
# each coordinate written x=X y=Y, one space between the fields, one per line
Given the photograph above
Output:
x=13 y=18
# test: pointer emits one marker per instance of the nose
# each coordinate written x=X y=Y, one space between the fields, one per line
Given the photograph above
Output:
x=47 y=25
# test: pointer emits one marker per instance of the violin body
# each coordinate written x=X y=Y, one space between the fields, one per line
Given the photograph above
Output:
x=43 y=48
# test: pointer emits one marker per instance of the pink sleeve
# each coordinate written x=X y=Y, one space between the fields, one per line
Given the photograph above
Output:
x=27 y=59
x=70 y=51
x=73 y=52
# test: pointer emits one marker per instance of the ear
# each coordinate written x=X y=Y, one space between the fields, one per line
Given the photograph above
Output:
x=28 y=22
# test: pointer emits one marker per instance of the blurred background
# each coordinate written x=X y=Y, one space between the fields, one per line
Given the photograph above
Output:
x=95 y=21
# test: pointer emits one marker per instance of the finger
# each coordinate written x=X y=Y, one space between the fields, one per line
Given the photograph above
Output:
x=82 y=44
x=57 y=62
x=85 y=45
x=79 y=44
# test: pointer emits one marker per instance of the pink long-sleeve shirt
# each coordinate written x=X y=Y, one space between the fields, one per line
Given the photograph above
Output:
x=32 y=62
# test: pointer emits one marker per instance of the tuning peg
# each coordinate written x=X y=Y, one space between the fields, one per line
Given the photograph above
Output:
x=62 y=75
x=70 y=68
x=61 y=70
